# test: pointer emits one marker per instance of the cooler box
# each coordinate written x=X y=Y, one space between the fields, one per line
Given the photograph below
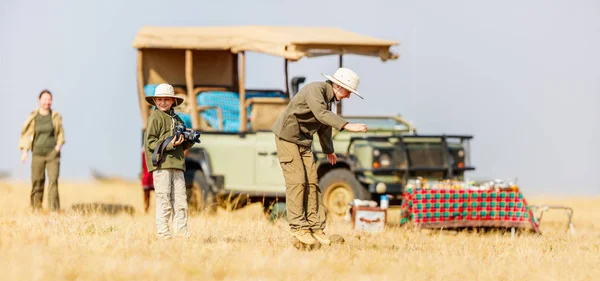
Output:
x=369 y=219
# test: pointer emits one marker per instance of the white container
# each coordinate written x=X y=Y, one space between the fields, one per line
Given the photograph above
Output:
x=384 y=202
x=369 y=219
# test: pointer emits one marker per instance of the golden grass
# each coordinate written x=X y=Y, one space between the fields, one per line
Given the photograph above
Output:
x=243 y=245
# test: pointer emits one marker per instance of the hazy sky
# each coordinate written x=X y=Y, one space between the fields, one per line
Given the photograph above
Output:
x=521 y=76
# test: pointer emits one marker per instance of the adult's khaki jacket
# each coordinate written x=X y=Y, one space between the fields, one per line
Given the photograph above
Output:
x=28 y=130
x=309 y=112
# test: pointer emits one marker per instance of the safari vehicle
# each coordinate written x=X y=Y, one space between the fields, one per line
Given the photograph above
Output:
x=237 y=154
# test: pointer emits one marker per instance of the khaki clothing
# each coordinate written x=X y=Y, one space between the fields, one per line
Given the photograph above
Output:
x=39 y=165
x=168 y=179
x=28 y=130
x=44 y=160
x=309 y=112
x=171 y=202
x=160 y=126
x=304 y=202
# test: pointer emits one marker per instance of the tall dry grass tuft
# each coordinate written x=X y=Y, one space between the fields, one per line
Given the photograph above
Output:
x=245 y=245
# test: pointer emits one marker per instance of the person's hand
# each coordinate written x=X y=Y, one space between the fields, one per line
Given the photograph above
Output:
x=57 y=148
x=24 y=156
x=332 y=158
x=177 y=142
x=356 y=127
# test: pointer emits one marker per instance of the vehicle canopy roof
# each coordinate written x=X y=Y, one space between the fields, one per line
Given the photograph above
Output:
x=289 y=42
x=212 y=59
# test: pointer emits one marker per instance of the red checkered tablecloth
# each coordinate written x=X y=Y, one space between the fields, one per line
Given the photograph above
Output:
x=448 y=208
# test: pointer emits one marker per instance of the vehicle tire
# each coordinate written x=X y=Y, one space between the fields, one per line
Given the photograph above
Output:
x=339 y=187
x=201 y=198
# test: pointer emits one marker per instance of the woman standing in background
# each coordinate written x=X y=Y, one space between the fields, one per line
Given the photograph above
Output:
x=43 y=134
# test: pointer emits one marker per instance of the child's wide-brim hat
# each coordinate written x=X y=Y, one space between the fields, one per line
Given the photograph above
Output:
x=345 y=78
x=164 y=91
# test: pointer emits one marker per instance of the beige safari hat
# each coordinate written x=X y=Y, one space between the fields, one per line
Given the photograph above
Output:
x=345 y=78
x=164 y=90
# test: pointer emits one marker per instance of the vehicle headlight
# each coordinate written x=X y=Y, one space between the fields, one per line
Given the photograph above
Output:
x=385 y=160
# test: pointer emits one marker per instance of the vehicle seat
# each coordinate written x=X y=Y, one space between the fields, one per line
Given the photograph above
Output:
x=228 y=102
x=263 y=116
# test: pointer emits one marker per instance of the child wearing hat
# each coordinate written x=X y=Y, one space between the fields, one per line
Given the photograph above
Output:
x=168 y=163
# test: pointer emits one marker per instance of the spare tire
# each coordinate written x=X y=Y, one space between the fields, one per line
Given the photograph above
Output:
x=339 y=187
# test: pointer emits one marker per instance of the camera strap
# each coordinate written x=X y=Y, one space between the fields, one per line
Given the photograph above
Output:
x=158 y=152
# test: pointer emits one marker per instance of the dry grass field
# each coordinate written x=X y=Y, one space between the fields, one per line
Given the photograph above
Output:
x=244 y=245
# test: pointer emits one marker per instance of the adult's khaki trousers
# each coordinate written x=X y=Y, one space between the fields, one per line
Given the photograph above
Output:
x=304 y=202
x=39 y=165
x=171 y=202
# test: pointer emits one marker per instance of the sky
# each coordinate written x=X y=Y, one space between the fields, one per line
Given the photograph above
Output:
x=522 y=77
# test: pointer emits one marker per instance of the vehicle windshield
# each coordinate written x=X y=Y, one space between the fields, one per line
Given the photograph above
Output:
x=379 y=123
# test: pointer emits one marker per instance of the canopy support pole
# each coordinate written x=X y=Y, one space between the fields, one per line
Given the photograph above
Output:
x=189 y=82
x=287 y=84
x=338 y=106
x=242 y=90
x=140 y=85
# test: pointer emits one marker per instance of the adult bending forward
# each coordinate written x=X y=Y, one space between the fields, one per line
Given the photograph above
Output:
x=309 y=112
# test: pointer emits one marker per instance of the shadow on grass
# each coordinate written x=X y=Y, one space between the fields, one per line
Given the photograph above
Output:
x=103 y=208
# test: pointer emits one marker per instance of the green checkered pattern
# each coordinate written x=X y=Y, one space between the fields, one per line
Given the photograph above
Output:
x=437 y=208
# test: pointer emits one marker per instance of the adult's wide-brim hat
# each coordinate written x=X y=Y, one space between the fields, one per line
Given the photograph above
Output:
x=164 y=90
x=346 y=78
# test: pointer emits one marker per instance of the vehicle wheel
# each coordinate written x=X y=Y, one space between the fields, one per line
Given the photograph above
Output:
x=200 y=196
x=339 y=187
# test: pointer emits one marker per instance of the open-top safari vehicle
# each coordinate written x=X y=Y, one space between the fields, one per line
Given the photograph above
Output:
x=237 y=155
